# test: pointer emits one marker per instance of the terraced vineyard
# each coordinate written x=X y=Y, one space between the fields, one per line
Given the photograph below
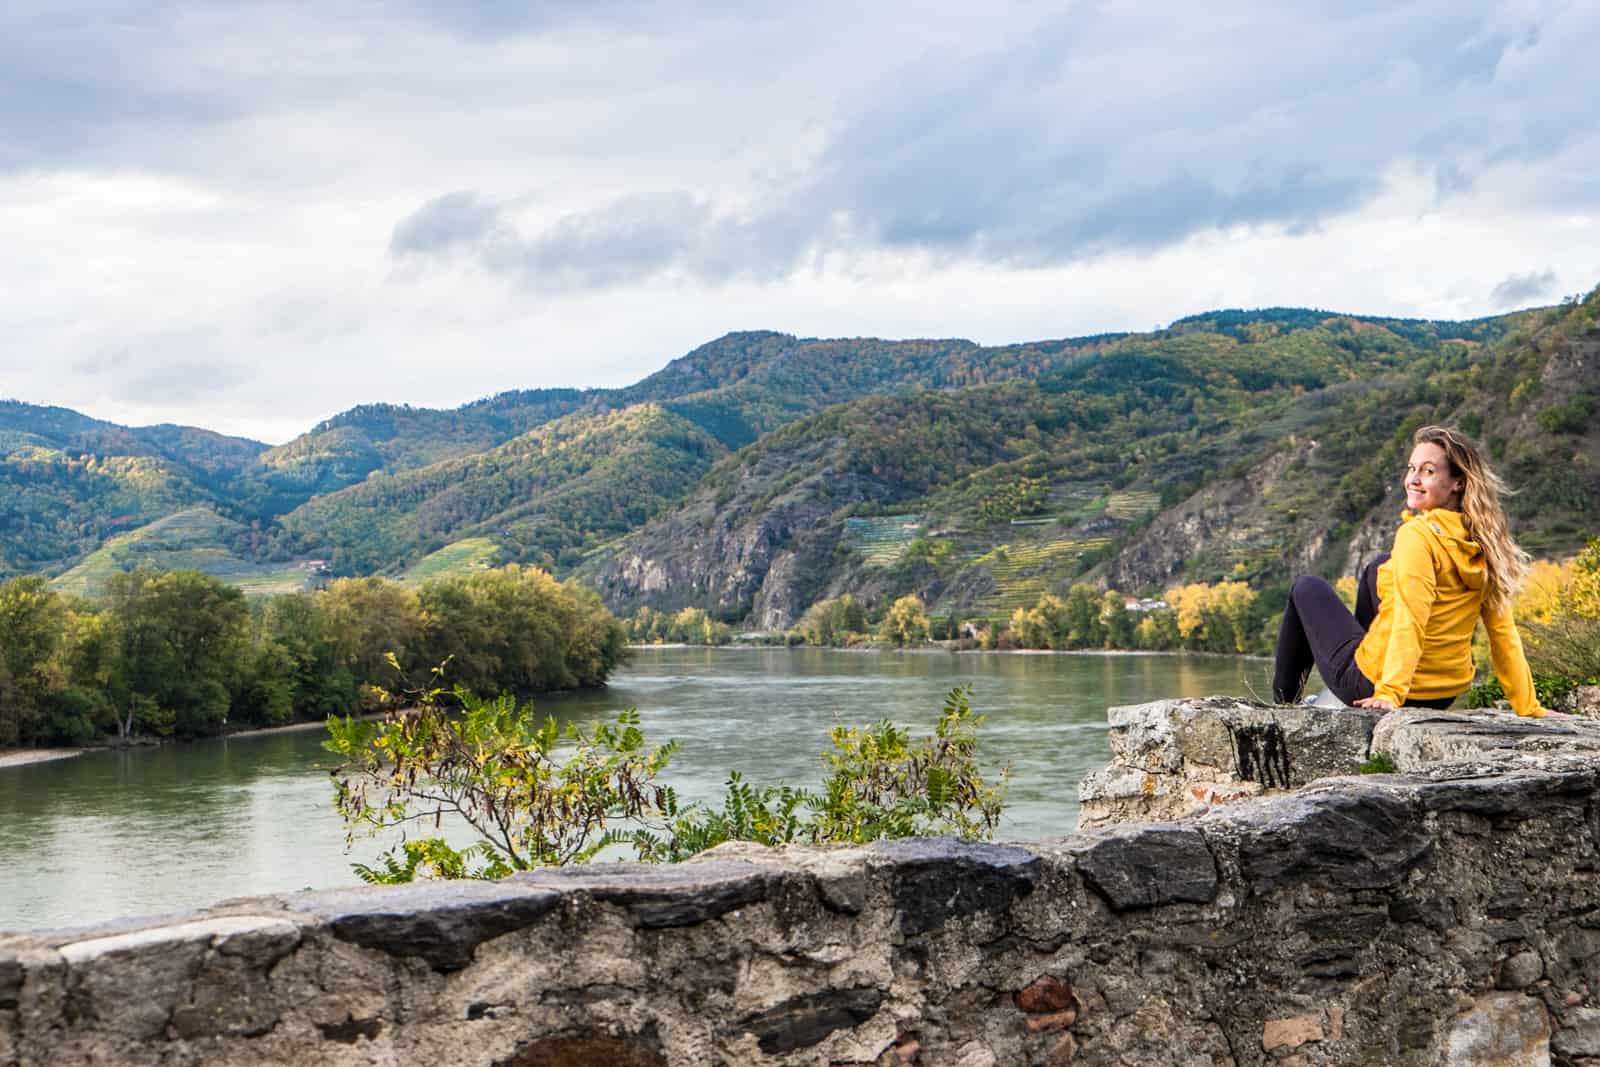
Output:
x=1249 y=551
x=1023 y=572
x=456 y=558
x=882 y=540
x=185 y=540
x=1129 y=505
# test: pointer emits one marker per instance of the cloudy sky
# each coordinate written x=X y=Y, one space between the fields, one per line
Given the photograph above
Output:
x=249 y=216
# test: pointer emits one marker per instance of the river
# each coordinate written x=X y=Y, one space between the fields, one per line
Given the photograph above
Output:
x=158 y=830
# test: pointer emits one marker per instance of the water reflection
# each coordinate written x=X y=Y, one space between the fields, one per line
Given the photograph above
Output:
x=162 y=829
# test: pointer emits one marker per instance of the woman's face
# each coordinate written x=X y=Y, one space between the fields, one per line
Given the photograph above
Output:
x=1429 y=483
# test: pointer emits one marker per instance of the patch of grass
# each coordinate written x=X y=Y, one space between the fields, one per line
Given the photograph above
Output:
x=192 y=539
x=1378 y=763
x=454 y=560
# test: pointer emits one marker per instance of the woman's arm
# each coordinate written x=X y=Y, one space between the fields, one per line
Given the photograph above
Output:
x=1510 y=665
x=1415 y=586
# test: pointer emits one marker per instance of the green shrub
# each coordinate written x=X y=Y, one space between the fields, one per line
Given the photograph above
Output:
x=488 y=763
x=532 y=802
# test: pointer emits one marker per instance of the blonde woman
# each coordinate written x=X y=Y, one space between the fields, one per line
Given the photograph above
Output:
x=1410 y=639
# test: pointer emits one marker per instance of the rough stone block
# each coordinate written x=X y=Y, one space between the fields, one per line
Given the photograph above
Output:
x=1056 y=1020
x=443 y=923
x=1291 y=1032
x=227 y=998
x=805 y=1021
x=665 y=896
x=1520 y=970
x=1354 y=837
x=1466 y=787
x=1579 y=1034
x=11 y=976
x=1357 y=924
x=1046 y=994
x=159 y=963
x=1416 y=739
x=1310 y=742
x=1142 y=736
x=1586 y=701
x=1173 y=758
x=1127 y=794
x=1500 y=1030
x=1143 y=866
x=586 y=1049
x=935 y=880
x=1063 y=1052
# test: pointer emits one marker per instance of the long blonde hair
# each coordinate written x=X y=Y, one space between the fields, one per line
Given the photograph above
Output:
x=1485 y=519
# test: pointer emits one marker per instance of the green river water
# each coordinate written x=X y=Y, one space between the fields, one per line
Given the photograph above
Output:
x=157 y=830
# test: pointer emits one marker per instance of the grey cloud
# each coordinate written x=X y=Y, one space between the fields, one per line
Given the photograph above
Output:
x=443 y=223
x=628 y=239
x=1519 y=289
x=182 y=380
x=162 y=367
x=74 y=72
x=1111 y=127
x=496 y=19
x=1158 y=214
x=1034 y=156
x=101 y=363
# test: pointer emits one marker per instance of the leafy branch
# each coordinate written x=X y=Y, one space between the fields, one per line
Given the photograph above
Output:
x=490 y=764
x=539 y=796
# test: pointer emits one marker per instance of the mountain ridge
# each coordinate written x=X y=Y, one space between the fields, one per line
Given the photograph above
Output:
x=762 y=470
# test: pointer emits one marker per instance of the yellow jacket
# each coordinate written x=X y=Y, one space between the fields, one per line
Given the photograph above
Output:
x=1430 y=594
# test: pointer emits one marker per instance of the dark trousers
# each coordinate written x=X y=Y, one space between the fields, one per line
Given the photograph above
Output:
x=1319 y=631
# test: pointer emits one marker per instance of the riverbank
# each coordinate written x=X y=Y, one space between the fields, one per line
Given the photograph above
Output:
x=292 y=727
x=21 y=757
x=954 y=648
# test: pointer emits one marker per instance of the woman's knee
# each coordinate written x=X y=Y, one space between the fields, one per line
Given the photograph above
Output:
x=1308 y=585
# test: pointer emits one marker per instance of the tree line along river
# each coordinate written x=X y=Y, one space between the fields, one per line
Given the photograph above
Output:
x=154 y=830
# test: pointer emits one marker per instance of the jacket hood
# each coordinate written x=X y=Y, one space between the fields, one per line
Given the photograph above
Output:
x=1448 y=529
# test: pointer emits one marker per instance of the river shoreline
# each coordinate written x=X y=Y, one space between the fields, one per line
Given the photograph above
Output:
x=22 y=757
x=937 y=649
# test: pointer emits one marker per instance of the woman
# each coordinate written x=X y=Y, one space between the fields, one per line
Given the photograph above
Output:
x=1410 y=641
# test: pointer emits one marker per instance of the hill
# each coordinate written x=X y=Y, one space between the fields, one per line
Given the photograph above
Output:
x=659 y=437
x=349 y=447
x=68 y=482
x=762 y=471
x=543 y=495
x=1236 y=445
x=192 y=539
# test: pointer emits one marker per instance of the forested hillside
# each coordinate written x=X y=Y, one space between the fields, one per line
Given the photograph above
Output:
x=69 y=482
x=345 y=449
x=568 y=484
x=763 y=472
x=1233 y=446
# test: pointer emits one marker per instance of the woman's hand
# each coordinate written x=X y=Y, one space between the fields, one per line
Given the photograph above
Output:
x=1375 y=703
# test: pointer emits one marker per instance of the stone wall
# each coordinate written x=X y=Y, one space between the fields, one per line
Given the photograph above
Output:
x=1449 y=914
